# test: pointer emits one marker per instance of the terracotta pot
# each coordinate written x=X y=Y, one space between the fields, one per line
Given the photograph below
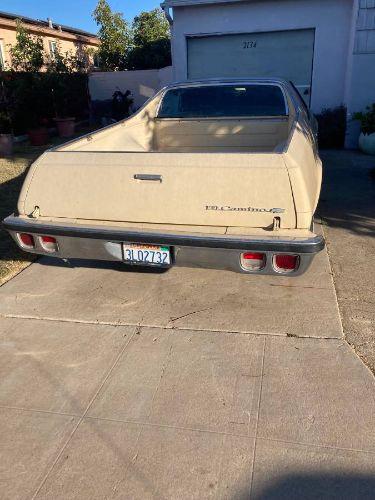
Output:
x=367 y=143
x=6 y=144
x=38 y=136
x=65 y=126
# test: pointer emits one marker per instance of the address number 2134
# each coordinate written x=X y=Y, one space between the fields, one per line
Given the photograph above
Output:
x=249 y=45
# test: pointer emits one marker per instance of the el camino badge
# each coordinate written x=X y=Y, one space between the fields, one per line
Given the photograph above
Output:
x=228 y=208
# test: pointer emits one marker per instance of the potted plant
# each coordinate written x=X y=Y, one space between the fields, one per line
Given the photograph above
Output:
x=65 y=126
x=121 y=105
x=367 y=137
x=38 y=133
x=40 y=111
x=65 y=120
x=6 y=125
x=60 y=71
x=37 y=124
x=32 y=107
x=6 y=135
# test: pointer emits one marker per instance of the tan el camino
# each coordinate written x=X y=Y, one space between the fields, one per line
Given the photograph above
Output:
x=215 y=174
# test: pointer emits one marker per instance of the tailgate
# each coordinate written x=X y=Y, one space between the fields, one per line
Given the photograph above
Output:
x=238 y=189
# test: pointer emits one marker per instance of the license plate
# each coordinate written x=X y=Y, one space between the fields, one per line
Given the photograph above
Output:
x=148 y=255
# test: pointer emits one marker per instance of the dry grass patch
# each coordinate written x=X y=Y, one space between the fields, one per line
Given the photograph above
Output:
x=12 y=174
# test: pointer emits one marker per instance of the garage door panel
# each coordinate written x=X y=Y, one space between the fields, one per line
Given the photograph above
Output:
x=284 y=54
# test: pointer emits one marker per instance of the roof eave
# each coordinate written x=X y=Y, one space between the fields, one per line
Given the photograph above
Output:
x=192 y=3
x=45 y=25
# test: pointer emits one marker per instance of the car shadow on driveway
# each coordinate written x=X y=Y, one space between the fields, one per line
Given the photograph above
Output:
x=101 y=264
x=348 y=192
x=316 y=486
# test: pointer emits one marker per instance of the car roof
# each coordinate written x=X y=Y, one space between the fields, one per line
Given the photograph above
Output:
x=284 y=85
x=229 y=81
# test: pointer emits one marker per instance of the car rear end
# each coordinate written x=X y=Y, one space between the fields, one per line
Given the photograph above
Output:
x=245 y=203
x=249 y=254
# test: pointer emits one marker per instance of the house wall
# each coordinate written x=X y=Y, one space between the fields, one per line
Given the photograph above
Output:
x=68 y=42
x=332 y=20
x=165 y=76
x=363 y=74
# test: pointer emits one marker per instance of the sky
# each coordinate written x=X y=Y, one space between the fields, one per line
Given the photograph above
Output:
x=74 y=13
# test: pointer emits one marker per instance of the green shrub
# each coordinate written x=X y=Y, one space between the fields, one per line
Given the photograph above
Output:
x=5 y=123
x=332 y=128
x=367 y=119
x=27 y=54
x=35 y=99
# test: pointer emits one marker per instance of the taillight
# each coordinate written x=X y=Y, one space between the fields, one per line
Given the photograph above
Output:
x=253 y=261
x=27 y=240
x=286 y=263
x=49 y=244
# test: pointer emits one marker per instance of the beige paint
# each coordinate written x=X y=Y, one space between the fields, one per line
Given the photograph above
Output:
x=68 y=42
x=260 y=163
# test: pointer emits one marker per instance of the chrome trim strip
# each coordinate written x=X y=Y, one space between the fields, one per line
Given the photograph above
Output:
x=271 y=243
x=148 y=177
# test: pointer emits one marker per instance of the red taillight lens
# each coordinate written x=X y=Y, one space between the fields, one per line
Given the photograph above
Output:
x=253 y=261
x=49 y=243
x=27 y=240
x=286 y=263
x=48 y=239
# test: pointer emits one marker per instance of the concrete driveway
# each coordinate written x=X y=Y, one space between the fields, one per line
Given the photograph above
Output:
x=182 y=384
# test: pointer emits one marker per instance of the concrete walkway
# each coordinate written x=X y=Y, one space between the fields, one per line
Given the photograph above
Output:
x=183 y=384
x=347 y=206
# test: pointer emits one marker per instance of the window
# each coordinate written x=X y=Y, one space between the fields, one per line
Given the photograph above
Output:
x=223 y=101
x=53 y=49
x=2 y=56
x=365 y=35
x=96 y=60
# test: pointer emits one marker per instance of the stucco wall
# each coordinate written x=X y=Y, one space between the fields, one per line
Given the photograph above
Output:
x=332 y=20
x=363 y=86
x=142 y=84
x=165 y=76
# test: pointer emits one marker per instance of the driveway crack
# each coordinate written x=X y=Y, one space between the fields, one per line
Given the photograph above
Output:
x=189 y=314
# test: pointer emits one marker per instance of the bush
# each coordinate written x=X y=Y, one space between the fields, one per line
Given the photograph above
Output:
x=5 y=123
x=151 y=55
x=5 y=112
x=35 y=99
x=367 y=119
x=332 y=128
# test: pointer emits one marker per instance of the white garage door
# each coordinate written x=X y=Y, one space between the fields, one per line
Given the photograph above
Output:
x=285 y=54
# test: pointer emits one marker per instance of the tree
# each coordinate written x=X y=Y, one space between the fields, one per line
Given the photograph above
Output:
x=150 y=27
x=61 y=62
x=28 y=53
x=114 y=35
x=151 y=41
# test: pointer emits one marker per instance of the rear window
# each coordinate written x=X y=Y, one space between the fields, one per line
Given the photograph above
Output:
x=223 y=101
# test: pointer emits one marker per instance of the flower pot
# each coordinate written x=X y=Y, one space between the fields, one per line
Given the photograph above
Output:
x=367 y=143
x=65 y=126
x=6 y=144
x=38 y=136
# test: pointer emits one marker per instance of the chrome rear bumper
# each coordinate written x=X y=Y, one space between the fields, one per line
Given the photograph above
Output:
x=189 y=250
